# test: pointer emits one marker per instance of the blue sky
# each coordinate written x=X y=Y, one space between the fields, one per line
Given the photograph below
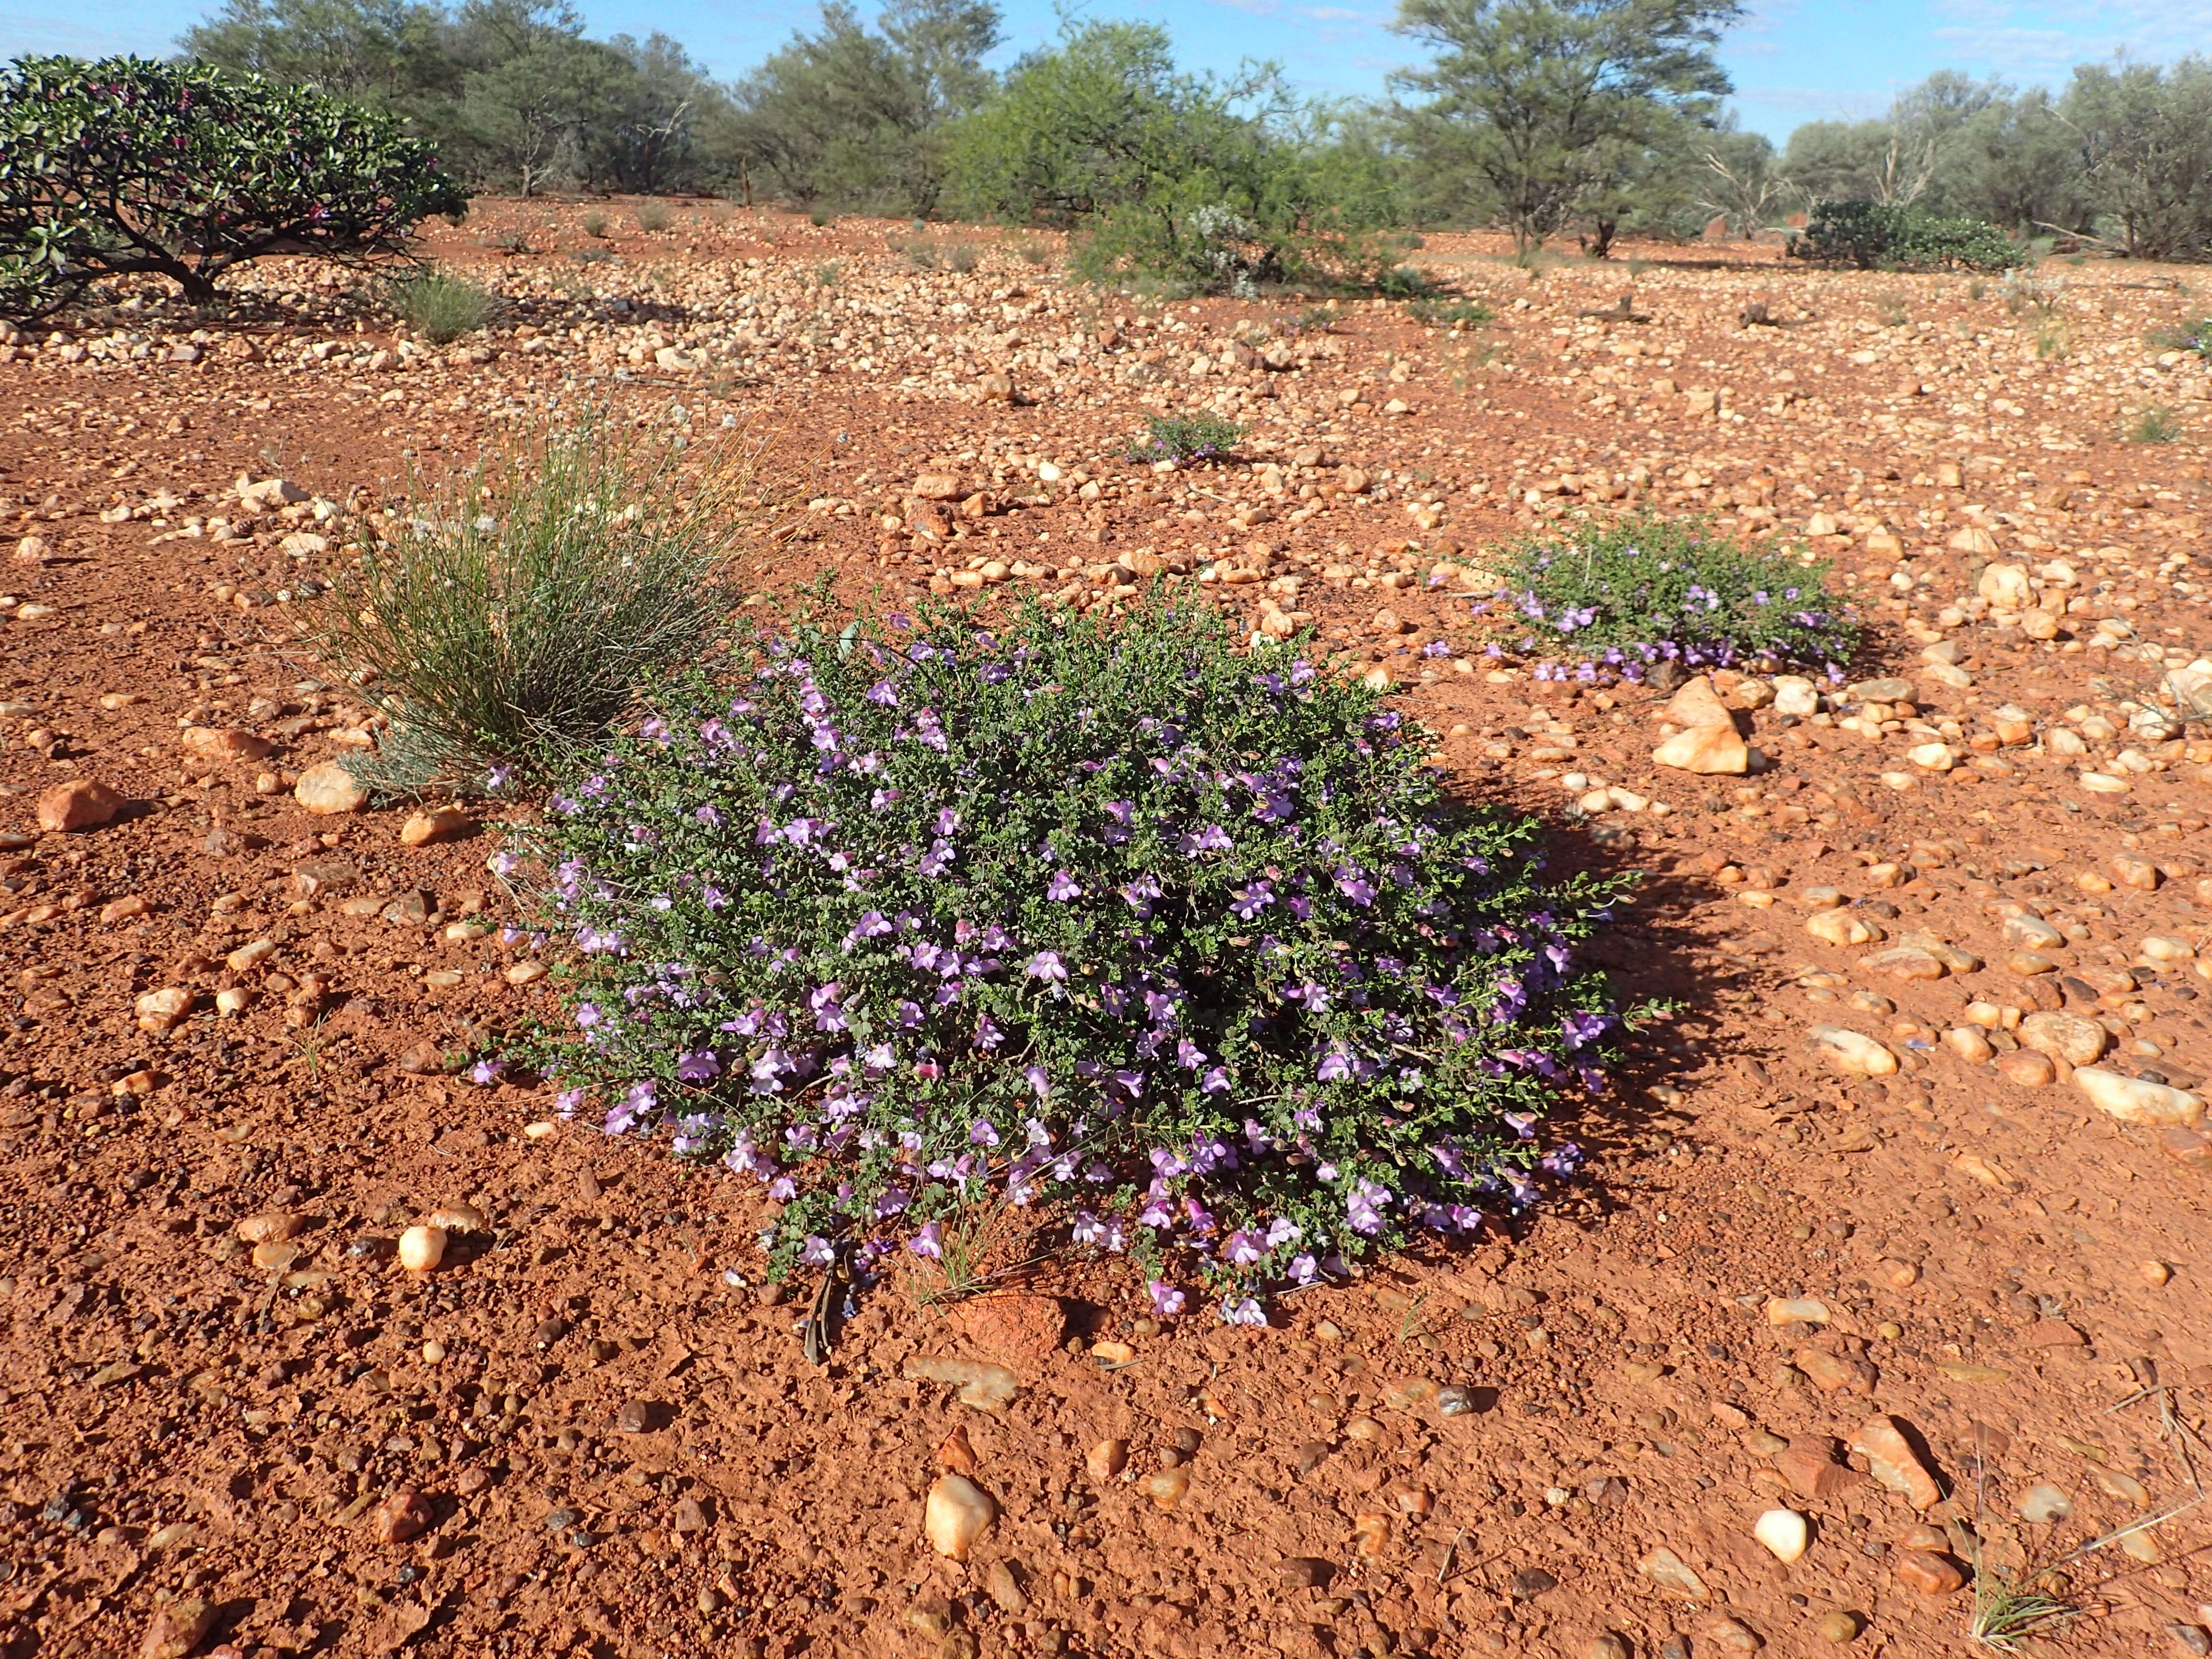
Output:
x=1792 y=61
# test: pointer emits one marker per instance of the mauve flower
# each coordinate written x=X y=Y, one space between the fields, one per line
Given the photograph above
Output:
x=818 y=1252
x=983 y=1133
x=700 y=1065
x=1166 y=1299
x=1046 y=965
x=929 y=1241
x=1062 y=887
x=1242 y=1311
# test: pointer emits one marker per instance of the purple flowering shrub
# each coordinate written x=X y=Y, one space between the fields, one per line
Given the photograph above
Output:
x=1182 y=949
x=1622 y=597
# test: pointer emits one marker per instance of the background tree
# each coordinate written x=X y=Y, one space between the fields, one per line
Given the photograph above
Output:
x=1218 y=185
x=393 y=52
x=1552 y=99
x=855 y=118
x=2146 y=138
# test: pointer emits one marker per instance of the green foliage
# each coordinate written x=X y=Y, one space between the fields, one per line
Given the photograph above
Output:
x=1886 y=236
x=1551 y=102
x=1181 y=951
x=441 y=307
x=652 y=217
x=1648 y=590
x=1185 y=437
x=1204 y=185
x=511 y=91
x=1449 y=314
x=2196 y=336
x=128 y=166
x=2145 y=133
x=855 y=118
x=2156 y=424
x=515 y=614
x=595 y=224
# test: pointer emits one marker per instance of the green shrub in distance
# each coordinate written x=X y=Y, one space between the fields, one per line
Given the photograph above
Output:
x=652 y=217
x=128 y=166
x=1448 y=313
x=501 y=632
x=595 y=224
x=1181 y=438
x=2155 y=425
x=1892 y=235
x=441 y=307
x=1625 y=597
x=1144 y=945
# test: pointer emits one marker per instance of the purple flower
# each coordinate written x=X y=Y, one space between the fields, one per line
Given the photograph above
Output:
x=1062 y=887
x=1243 y=1248
x=1046 y=965
x=1038 y=1081
x=1249 y=901
x=983 y=1133
x=1242 y=1312
x=700 y=1065
x=818 y=1252
x=929 y=1241
x=484 y=1071
x=1166 y=1299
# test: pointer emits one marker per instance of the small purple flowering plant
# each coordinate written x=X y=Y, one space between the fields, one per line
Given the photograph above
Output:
x=1613 y=600
x=1182 y=950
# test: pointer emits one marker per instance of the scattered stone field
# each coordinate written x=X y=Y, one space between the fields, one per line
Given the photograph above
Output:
x=1887 y=1284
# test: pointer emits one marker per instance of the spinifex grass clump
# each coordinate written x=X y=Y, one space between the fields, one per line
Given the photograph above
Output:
x=515 y=614
x=441 y=307
x=1622 y=597
x=1181 y=949
x=1181 y=438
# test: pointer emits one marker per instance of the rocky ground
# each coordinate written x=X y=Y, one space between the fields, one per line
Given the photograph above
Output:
x=1897 y=1227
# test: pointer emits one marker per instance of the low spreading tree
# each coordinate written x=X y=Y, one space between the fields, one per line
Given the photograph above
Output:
x=128 y=166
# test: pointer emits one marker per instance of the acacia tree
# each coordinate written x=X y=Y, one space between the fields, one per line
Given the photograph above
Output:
x=127 y=165
x=2145 y=134
x=852 y=116
x=1549 y=99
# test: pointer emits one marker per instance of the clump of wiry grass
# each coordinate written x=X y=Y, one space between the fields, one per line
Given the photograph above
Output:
x=2008 y=1612
x=441 y=307
x=515 y=613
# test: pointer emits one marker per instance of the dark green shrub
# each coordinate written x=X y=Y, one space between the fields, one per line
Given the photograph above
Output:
x=1181 y=949
x=1891 y=236
x=1620 y=598
x=128 y=166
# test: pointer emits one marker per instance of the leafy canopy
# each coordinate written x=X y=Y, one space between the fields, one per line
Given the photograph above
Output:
x=1214 y=184
x=185 y=170
x=1548 y=101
